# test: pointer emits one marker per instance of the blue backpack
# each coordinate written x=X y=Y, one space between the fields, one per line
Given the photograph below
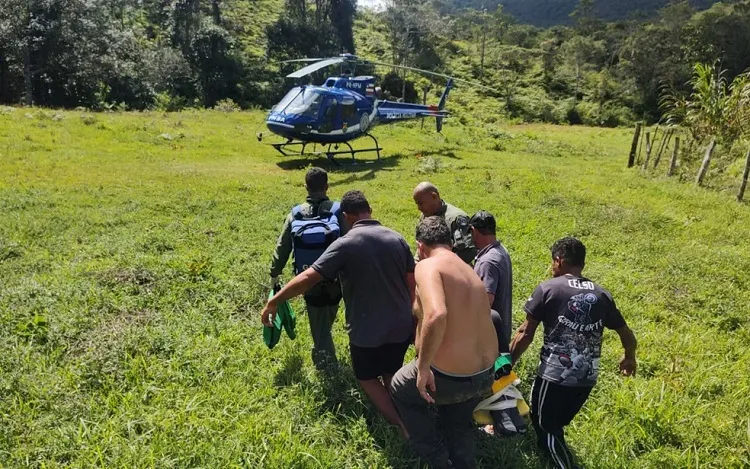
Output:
x=311 y=235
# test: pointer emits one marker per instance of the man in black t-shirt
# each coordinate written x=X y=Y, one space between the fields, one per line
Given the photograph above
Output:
x=575 y=312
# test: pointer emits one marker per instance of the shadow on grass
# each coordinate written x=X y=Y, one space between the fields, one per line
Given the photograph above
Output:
x=291 y=371
x=341 y=399
x=440 y=152
x=344 y=401
x=361 y=165
x=517 y=452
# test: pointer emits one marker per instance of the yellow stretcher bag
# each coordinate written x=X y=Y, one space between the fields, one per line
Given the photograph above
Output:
x=505 y=396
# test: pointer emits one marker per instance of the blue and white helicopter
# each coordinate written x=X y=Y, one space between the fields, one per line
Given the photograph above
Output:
x=342 y=109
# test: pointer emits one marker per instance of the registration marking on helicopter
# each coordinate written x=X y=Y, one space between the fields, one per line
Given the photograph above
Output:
x=400 y=115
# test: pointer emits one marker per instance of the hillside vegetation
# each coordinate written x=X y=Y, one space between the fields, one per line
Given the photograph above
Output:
x=552 y=12
x=134 y=250
x=135 y=55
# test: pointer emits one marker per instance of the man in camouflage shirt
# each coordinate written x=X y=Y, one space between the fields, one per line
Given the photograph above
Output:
x=428 y=200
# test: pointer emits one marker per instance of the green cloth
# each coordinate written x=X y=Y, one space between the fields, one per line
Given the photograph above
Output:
x=285 y=318
x=503 y=366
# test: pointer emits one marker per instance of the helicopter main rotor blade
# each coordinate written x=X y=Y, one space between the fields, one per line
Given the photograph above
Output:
x=300 y=60
x=315 y=67
x=427 y=72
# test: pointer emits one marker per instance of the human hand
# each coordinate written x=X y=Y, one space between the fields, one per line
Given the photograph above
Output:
x=628 y=366
x=425 y=381
x=275 y=283
x=268 y=315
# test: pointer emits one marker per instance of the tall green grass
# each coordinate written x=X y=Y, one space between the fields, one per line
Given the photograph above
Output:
x=133 y=258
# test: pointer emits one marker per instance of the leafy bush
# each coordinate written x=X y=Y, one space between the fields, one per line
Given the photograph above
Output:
x=165 y=102
x=88 y=119
x=430 y=165
x=227 y=105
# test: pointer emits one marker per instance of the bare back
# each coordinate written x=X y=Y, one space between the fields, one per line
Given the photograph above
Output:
x=469 y=344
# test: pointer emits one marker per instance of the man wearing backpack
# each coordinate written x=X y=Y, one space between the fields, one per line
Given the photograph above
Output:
x=308 y=230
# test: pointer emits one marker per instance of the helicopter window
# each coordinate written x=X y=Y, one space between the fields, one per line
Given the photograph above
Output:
x=306 y=103
x=328 y=122
x=287 y=99
x=349 y=112
x=330 y=113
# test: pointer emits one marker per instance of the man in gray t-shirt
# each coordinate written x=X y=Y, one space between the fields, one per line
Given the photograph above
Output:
x=494 y=267
x=376 y=270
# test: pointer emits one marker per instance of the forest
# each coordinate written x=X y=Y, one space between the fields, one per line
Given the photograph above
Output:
x=553 y=12
x=163 y=54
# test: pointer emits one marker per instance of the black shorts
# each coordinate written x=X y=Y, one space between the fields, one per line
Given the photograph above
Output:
x=372 y=362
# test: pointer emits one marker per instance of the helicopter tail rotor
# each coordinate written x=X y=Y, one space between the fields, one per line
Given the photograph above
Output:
x=441 y=105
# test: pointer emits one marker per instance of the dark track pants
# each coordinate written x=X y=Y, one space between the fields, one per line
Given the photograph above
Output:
x=552 y=408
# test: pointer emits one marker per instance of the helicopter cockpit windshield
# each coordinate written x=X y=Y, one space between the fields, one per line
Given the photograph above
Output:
x=300 y=101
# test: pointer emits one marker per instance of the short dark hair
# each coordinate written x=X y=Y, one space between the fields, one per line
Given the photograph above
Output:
x=433 y=231
x=355 y=203
x=571 y=250
x=316 y=180
x=484 y=222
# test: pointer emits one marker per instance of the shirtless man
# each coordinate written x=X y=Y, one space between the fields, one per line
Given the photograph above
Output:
x=456 y=350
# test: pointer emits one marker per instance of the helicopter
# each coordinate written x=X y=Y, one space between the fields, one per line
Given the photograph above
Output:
x=342 y=109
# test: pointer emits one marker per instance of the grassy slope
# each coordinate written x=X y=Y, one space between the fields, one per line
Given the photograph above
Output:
x=132 y=250
x=250 y=19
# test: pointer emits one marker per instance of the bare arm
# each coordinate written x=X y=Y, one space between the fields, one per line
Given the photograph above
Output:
x=297 y=286
x=628 y=364
x=434 y=314
x=523 y=338
x=411 y=284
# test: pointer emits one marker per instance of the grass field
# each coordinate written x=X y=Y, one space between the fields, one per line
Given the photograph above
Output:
x=134 y=252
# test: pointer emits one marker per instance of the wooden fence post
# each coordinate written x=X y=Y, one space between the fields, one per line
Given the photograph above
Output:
x=665 y=144
x=648 y=150
x=741 y=194
x=634 y=146
x=673 y=161
x=706 y=160
x=640 y=150
x=660 y=145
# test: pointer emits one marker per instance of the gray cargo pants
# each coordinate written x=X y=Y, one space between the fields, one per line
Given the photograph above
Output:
x=449 y=441
x=321 y=321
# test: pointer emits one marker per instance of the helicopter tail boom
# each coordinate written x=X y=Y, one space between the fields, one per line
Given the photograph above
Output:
x=390 y=111
x=441 y=105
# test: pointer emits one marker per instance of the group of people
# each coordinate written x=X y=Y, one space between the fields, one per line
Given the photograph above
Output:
x=458 y=317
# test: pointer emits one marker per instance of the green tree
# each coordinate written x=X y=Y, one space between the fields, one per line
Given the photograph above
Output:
x=320 y=29
x=715 y=108
x=218 y=69
x=585 y=19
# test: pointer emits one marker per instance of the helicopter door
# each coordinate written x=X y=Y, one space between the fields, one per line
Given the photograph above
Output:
x=349 y=114
x=330 y=119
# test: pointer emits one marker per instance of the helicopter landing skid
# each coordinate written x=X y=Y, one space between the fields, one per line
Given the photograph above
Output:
x=290 y=148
